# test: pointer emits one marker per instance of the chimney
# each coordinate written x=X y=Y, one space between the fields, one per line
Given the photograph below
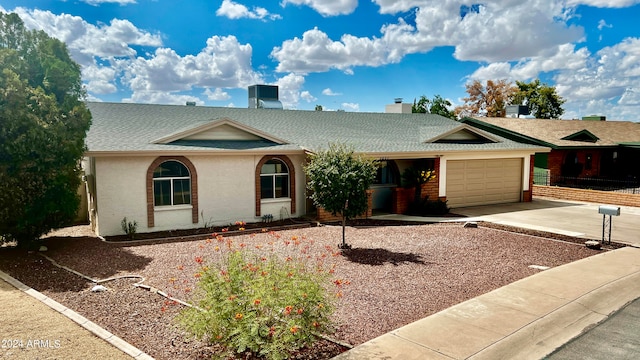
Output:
x=398 y=107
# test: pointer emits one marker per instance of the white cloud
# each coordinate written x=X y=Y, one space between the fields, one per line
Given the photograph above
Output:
x=306 y=96
x=99 y=79
x=500 y=31
x=506 y=30
x=604 y=83
x=329 y=92
x=351 y=107
x=223 y=63
x=158 y=97
x=234 y=10
x=218 y=94
x=98 y=2
x=289 y=87
x=153 y=77
x=603 y=3
x=608 y=85
x=563 y=57
x=315 y=52
x=630 y=97
x=397 y=6
x=86 y=41
x=327 y=7
x=603 y=24
x=609 y=73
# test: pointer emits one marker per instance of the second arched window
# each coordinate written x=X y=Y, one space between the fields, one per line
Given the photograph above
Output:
x=274 y=180
x=171 y=184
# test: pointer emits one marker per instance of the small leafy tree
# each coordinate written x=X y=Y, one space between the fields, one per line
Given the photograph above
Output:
x=543 y=100
x=421 y=106
x=338 y=181
x=438 y=105
x=43 y=123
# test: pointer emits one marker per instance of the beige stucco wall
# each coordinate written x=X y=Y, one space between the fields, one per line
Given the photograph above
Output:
x=120 y=192
x=226 y=193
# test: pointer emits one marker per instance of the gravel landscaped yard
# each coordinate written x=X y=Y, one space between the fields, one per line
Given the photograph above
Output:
x=397 y=275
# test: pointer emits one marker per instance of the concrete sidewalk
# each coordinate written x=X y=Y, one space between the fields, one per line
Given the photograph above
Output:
x=34 y=326
x=527 y=319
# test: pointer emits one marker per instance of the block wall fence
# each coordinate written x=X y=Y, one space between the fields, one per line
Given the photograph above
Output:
x=593 y=196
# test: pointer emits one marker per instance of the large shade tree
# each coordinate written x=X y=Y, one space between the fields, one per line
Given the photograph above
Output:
x=543 y=100
x=43 y=124
x=338 y=181
x=487 y=100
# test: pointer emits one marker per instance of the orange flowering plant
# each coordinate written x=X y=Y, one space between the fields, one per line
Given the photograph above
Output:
x=263 y=305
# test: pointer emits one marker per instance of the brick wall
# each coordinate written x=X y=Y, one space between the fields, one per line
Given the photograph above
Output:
x=557 y=157
x=593 y=196
x=527 y=195
x=325 y=216
x=400 y=199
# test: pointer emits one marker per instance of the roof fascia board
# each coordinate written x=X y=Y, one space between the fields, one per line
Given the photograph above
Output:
x=584 y=147
x=463 y=127
x=509 y=134
x=570 y=137
x=217 y=123
x=302 y=151
x=190 y=153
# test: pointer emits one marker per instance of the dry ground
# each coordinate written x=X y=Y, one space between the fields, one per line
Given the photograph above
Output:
x=397 y=275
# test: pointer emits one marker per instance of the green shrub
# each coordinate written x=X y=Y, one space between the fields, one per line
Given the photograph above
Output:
x=129 y=228
x=266 y=306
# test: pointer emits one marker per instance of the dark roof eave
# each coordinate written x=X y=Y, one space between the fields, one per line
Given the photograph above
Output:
x=182 y=152
x=513 y=135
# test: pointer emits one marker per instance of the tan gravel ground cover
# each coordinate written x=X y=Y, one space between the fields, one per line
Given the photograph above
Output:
x=397 y=275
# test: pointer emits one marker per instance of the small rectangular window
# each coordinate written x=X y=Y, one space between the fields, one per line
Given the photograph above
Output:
x=162 y=192
x=266 y=187
x=282 y=186
x=181 y=192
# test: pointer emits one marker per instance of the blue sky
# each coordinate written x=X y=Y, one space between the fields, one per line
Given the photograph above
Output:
x=347 y=54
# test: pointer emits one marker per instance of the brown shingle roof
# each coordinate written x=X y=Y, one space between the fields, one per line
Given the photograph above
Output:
x=609 y=133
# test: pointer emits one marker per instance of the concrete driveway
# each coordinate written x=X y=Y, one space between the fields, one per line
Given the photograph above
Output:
x=560 y=216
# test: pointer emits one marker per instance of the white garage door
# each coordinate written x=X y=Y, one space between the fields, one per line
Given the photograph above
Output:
x=483 y=182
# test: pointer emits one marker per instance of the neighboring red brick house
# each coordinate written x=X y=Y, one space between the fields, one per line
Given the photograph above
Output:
x=579 y=148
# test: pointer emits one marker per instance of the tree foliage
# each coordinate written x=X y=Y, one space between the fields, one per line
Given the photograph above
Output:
x=438 y=105
x=542 y=99
x=43 y=123
x=487 y=100
x=339 y=179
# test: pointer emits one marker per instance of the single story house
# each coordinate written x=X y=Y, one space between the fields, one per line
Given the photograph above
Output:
x=178 y=167
x=596 y=149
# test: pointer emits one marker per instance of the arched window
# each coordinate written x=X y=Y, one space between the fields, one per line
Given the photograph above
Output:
x=171 y=184
x=274 y=180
